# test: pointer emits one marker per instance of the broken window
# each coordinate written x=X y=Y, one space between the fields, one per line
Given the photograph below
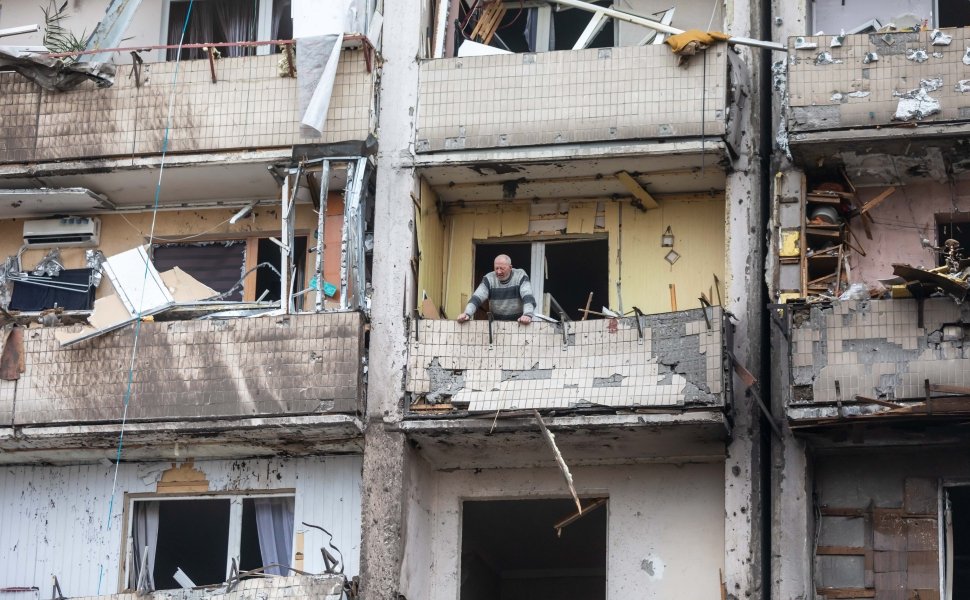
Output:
x=862 y=16
x=510 y=551
x=201 y=536
x=221 y=21
x=541 y=26
x=222 y=265
x=563 y=272
x=950 y=228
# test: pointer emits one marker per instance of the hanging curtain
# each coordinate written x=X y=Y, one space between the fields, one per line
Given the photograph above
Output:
x=201 y=29
x=144 y=533
x=274 y=525
x=531 y=27
x=282 y=27
x=238 y=24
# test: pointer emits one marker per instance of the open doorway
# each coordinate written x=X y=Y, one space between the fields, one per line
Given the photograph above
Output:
x=953 y=13
x=563 y=272
x=958 y=542
x=510 y=551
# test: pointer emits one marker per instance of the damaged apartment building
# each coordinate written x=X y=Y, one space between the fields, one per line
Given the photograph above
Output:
x=870 y=230
x=235 y=240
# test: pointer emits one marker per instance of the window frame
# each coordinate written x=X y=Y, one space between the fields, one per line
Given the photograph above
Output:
x=264 y=22
x=233 y=543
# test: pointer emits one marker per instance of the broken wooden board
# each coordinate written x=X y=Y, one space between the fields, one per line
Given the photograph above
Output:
x=637 y=190
x=931 y=281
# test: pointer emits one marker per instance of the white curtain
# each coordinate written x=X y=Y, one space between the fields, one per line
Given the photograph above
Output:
x=274 y=524
x=144 y=533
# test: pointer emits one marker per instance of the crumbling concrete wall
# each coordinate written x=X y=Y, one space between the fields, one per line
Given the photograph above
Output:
x=874 y=349
x=678 y=362
x=295 y=364
x=912 y=80
x=665 y=528
x=600 y=94
x=262 y=108
x=55 y=519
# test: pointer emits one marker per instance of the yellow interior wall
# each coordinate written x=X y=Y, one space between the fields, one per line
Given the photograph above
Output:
x=698 y=228
x=461 y=231
x=431 y=236
x=120 y=232
x=697 y=225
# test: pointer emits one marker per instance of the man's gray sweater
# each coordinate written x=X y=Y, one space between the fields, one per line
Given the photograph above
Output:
x=507 y=300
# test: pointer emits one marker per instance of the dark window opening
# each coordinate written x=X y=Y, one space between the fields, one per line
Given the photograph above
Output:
x=573 y=271
x=221 y=21
x=952 y=230
x=958 y=499
x=218 y=265
x=518 y=29
x=510 y=551
x=954 y=13
x=192 y=535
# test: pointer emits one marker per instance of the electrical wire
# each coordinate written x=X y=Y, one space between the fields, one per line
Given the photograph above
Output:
x=172 y=240
x=138 y=309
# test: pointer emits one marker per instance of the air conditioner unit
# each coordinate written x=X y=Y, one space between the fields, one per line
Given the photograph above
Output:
x=63 y=232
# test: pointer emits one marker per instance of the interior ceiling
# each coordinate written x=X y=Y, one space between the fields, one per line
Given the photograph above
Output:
x=581 y=178
x=896 y=161
x=465 y=447
x=230 y=184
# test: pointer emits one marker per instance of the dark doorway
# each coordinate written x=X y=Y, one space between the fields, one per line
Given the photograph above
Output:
x=958 y=499
x=268 y=280
x=192 y=535
x=573 y=270
x=509 y=551
x=954 y=13
x=215 y=264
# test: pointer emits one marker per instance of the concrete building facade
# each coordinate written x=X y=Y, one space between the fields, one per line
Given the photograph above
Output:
x=238 y=352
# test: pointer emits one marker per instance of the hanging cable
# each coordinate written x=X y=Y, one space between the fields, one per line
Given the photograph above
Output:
x=138 y=309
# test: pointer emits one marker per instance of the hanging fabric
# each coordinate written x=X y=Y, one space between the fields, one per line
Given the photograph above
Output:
x=144 y=535
x=274 y=525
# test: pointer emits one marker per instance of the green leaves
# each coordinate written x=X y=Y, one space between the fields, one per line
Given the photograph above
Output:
x=58 y=38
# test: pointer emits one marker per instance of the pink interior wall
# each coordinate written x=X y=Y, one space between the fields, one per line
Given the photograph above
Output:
x=900 y=221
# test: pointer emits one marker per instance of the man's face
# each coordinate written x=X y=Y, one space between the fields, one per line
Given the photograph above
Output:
x=502 y=269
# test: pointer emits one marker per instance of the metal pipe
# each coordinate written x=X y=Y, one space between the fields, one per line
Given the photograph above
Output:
x=321 y=223
x=616 y=14
x=19 y=30
x=345 y=239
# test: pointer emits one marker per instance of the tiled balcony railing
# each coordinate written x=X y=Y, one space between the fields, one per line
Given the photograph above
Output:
x=250 y=106
x=570 y=96
x=267 y=366
x=837 y=88
x=846 y=354
x=673 y=360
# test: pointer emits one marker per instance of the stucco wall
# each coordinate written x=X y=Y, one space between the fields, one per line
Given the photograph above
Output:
x=664 y=518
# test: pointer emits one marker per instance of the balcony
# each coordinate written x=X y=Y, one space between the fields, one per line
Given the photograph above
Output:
x=856 y=361
x=670 y=361
x=875 y=81
x=250 y=106
x=574 y=96
x=212 y=383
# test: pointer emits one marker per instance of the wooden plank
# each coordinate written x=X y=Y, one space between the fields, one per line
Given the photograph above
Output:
x=636 y=189
x=846 y=593
x=877 y=200
x=950 y=389
x=251 y=260
x=840 y=551
x=673 y=297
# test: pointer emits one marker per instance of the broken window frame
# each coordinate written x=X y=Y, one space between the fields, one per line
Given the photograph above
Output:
x=233 y=543
x=545 y=29
x=537 y=261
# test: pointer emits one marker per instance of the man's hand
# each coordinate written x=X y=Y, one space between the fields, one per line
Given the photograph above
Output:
x=462 y=318
x=525 y=319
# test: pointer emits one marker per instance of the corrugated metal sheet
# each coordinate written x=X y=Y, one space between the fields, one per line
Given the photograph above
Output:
x=52 y=519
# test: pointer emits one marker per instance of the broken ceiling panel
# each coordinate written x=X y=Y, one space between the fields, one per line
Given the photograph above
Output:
x=20 y=203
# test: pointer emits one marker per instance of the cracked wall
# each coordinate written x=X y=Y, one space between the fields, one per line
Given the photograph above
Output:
x=877 y=349
x=296 y=364
x=876 y=79
x=602 y=362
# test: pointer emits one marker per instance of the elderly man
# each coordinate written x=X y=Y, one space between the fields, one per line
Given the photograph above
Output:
x=508 y=291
